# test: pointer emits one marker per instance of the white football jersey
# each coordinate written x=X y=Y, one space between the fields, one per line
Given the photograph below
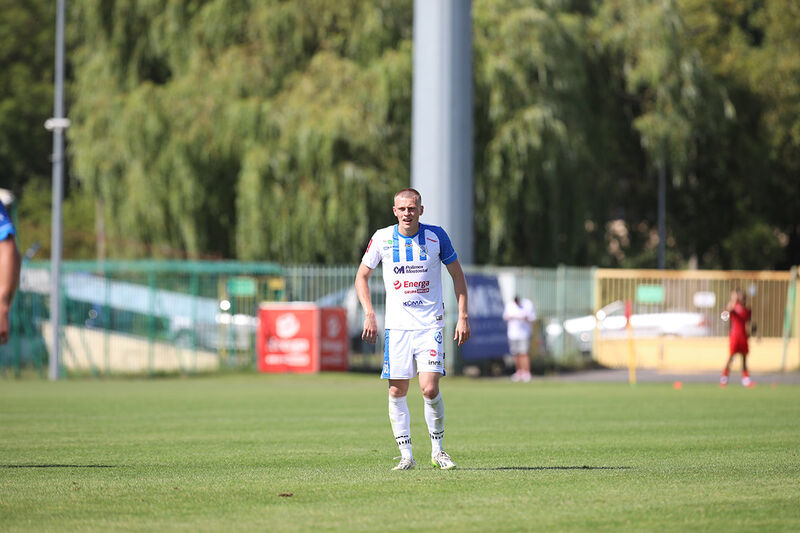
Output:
x=412 y=274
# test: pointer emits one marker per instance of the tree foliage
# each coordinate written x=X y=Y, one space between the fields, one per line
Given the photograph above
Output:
x=26 y=90
x=257 y=130
x=278 y=130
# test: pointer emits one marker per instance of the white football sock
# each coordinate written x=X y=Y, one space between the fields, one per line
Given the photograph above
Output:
x=434 y=417
x=401 y=424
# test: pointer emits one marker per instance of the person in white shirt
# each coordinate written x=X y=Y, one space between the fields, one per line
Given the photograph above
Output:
x=412 y=254
x=520 y=315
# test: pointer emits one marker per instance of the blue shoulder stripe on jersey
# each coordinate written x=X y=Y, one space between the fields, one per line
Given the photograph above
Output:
x=396 y=245
x=446 y=252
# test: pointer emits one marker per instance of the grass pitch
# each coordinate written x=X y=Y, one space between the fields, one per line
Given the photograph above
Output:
x=294 y=453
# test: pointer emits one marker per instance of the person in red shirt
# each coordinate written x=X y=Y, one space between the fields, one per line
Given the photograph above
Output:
x=739 y=314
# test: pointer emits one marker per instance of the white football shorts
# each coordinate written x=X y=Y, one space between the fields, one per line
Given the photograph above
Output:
x=403 y=347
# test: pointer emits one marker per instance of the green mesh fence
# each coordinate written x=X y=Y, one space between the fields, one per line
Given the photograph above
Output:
x=151 y=317
x=142 y=316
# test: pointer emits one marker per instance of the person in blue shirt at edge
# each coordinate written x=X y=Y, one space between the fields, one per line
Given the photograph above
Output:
x=412 y=255
x=10 y=263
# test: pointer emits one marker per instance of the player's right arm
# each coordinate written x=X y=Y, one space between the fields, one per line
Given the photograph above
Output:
x=370 y=331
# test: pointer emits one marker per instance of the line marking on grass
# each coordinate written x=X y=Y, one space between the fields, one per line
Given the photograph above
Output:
x=59 y=466
x=584 y=467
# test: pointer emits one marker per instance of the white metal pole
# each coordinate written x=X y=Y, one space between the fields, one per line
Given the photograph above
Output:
x=57 y=124
x=441 y=144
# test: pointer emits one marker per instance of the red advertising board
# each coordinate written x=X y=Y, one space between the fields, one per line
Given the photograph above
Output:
x=301 y=338
x=333 y=344
x=288 y=338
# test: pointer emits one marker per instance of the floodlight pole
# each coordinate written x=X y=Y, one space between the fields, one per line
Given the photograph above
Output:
x=441 y=121
x=441 y=118
x=57 y=125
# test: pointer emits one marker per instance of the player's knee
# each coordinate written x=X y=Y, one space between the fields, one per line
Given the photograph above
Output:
x=397 y=392
x=430 y=390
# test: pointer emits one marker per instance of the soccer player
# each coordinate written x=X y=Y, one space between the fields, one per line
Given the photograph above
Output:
x=739 y=314
x=412 y=255
x=9 y=270
x=520 y=314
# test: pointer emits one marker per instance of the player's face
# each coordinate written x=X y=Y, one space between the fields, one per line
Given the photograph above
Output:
x=407 y=211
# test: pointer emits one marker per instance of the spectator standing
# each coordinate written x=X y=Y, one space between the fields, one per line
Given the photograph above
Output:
x=520 y=316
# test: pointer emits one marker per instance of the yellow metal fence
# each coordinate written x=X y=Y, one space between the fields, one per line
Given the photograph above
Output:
x=677 y=320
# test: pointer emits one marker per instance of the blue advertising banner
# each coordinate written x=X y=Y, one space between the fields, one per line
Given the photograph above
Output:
x=489 y=339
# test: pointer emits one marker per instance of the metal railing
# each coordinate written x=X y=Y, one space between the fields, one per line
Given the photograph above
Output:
x=192 y=316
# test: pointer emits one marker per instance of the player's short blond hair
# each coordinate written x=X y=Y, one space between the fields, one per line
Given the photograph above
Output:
x=409 y=192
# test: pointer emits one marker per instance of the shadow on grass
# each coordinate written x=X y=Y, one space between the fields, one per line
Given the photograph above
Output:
x=584 y=467
x=58 y=466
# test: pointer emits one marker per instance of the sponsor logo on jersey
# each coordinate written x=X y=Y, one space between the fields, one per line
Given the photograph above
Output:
x=438 y=337
x=410 y=269
x=414 y=284
x=412 y=303
x=398 y=284
x=433 y=353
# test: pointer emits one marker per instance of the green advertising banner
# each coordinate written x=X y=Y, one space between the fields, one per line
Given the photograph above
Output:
x=650 y=294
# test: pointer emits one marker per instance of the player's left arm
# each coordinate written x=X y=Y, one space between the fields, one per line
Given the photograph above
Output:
x=10 y=263
x=460 y=285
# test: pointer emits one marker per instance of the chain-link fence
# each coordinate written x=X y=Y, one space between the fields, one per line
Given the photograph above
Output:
x=152 y=317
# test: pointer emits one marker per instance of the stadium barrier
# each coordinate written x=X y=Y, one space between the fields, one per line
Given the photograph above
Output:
x=151 y=317
x=141 y=316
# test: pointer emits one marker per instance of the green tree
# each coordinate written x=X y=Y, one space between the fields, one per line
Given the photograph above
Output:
x=255 y=130
x=534 y=186
x=27 y=30
x=260 y=129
